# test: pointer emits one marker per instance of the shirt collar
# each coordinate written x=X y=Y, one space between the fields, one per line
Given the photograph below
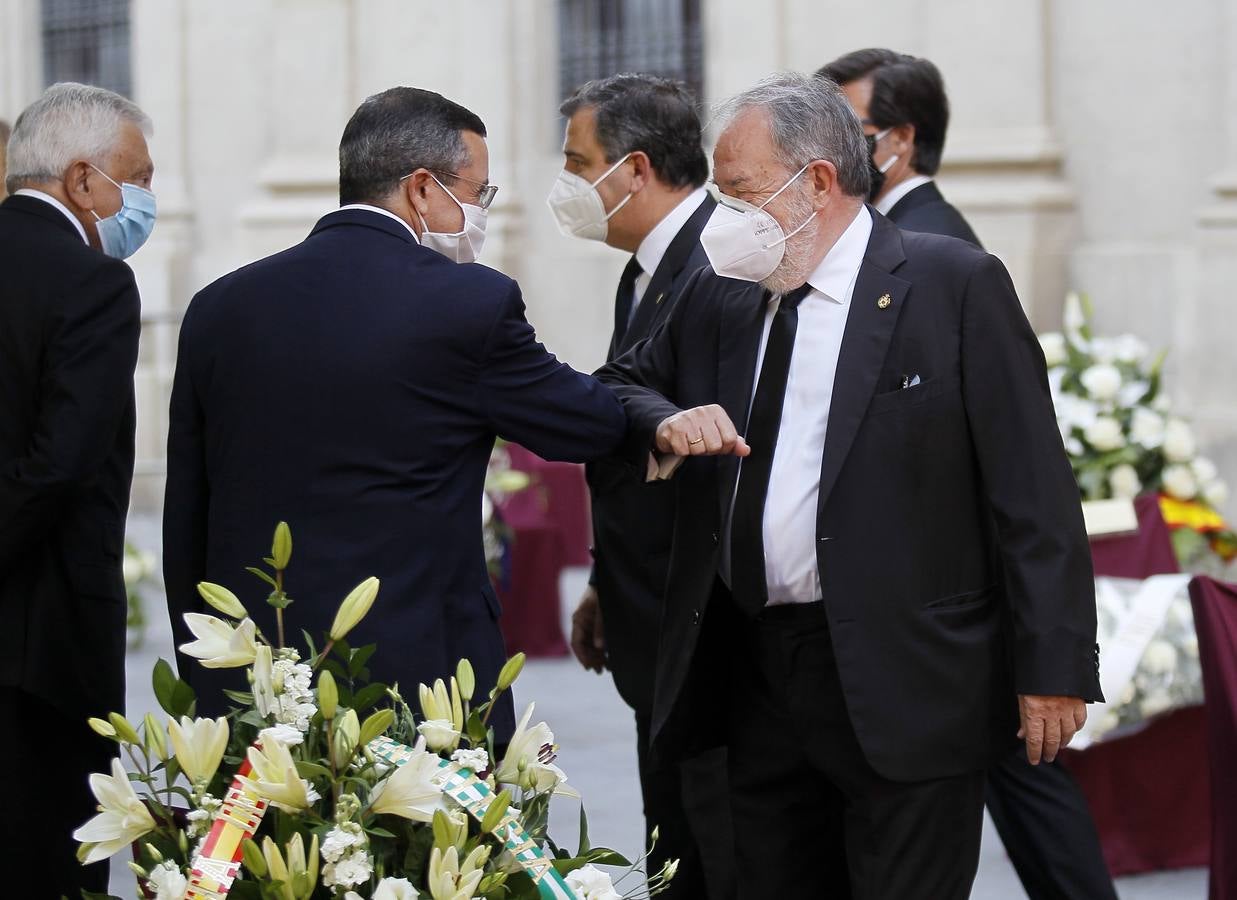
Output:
x=890 y=200
x=48 y=198
x=836 y=272
x=655 y=244
x=382 y=212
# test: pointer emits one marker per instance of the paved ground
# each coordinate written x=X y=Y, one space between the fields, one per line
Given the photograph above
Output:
x=596 y=735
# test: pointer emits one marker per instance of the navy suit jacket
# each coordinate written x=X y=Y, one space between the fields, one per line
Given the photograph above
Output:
x=353 y=386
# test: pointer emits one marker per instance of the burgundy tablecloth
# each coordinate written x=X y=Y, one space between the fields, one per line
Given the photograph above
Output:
x=1215 y=621
x=550 y=529
x=1149 y=792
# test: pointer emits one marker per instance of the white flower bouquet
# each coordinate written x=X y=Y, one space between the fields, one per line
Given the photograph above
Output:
x=320 y=784
x=1122 y=436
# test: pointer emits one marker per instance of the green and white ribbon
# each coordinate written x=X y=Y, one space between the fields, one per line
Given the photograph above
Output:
x=474 y=795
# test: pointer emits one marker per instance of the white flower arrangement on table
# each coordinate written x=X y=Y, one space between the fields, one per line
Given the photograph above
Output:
x=500 y=481
x=140 y=574
x=1122 y=437
x=340 y=791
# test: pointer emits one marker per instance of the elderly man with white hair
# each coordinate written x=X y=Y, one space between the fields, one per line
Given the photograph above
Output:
x=79 y=176
x=885 y=580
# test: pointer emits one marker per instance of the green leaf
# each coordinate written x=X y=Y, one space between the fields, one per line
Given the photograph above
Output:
x=279 y=599
x=244 y=698
x=380 y=832
x=359 y=658
x=584 y=845
x=368 y=696
x=254 y=718
x=174 y=695
x=268 y=579
x=311 y=770
x=309 y=642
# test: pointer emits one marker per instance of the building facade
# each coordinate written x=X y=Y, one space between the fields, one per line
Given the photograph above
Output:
x=1093 y=146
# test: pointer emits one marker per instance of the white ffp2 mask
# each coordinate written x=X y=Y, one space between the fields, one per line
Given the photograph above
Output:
x=745 y=242
x=463 y=246
x=578 y=208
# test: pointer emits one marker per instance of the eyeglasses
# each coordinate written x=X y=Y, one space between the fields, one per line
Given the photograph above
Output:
x=485 y=190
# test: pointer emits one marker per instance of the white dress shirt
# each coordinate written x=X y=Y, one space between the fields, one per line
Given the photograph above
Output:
x=48 y=198
x=655 y=244
x=382 y=212
x=890 y=200
x=794 y=481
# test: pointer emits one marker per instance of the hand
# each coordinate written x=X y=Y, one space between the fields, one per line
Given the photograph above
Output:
x=703 y=431
x=1049 y=724
x=588 y=637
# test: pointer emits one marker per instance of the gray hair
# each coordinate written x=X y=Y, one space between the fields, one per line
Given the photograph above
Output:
x=809 y=119
x=69 y=122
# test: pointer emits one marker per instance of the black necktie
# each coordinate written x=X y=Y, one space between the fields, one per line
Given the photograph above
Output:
x=747 y=546
x=624 y=299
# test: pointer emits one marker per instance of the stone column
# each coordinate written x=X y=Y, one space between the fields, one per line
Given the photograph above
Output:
x=1211 y=374
x=21 y=57
x=159 y=37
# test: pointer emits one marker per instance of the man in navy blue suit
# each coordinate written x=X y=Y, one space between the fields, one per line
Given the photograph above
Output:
x=353 y=386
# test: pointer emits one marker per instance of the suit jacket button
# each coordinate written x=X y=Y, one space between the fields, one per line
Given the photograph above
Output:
x=715 y=539
x=695 y=617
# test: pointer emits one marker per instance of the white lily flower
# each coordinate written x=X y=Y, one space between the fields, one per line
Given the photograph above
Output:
x=1053 y=345
x=274 y=777
x=444 y=716
x=1124 y=481
x=1216 y=493
x=285 y=734
x=1105 y=434
x=199 y=745
x=122 y=818
x=412 y=791
x=396 y=889
x=449 y=879
x=1147 y=428
x=529 y=762
x=1102 y=381
x=218 y=644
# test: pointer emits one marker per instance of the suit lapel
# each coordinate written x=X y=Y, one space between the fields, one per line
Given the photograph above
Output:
x=742 y=324
x=875 y=307
x=653 y=304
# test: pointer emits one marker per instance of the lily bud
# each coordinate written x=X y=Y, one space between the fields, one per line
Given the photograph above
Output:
x=156 y=740
x=494 y=815
x=154 y=853
x=510 y=672
x=466 y=679
x=354 y=608
x=375 y=724
x=344 y=743
x=124 y=730
x=328 y=695
x=253 y=858
x=137 y=870
x=222 y=599
x=281 y=547
x=102 y=728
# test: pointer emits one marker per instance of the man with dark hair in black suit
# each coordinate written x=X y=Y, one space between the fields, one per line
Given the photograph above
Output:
x=353 y=386
x=78 y=169
x=1040 y=812
x=901 y=102
x=885 y=581
x=633 y=177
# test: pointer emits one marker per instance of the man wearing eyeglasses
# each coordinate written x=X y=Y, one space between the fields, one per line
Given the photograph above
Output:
x=353 y=386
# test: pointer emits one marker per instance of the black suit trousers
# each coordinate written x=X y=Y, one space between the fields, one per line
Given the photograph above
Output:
x=802 y=791
x=37 y=847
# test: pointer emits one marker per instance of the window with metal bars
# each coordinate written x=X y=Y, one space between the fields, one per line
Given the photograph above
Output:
x=87 y=41
x=598 y=38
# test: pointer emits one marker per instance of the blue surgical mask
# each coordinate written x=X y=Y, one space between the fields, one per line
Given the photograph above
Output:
x=123 y=234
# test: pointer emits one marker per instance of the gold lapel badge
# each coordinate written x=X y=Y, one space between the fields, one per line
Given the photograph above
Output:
x=884 y=301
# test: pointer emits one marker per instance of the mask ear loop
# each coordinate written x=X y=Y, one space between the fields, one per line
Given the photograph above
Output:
x=785 y=237
x=463 y=212
x=119 y=187
x=608 y=173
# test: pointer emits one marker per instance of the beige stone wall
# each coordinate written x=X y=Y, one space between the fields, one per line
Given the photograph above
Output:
x=1093 y=146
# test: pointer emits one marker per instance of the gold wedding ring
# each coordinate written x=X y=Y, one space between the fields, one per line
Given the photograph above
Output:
x=697 y=440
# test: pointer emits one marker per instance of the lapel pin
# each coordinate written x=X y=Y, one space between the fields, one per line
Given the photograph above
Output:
x=884 y=301
x=660 y=297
